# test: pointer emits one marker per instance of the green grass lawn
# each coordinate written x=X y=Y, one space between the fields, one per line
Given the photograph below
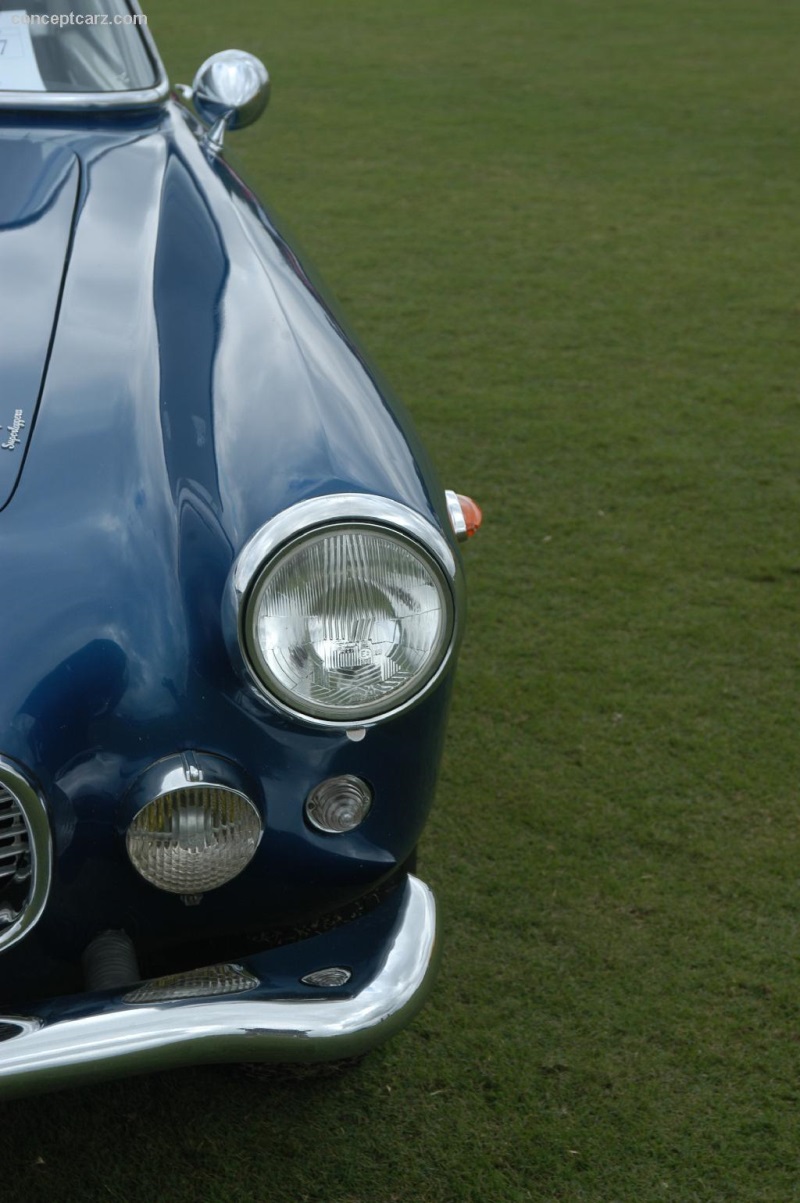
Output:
x=568 y=232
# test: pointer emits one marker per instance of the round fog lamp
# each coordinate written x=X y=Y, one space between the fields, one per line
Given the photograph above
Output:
x=193 y=839
x=338 y=804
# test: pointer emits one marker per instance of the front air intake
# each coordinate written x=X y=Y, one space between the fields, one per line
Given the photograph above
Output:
x=25 y=854
x=15 y=842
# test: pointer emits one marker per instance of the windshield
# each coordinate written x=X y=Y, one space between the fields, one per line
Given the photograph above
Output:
x=73 y=46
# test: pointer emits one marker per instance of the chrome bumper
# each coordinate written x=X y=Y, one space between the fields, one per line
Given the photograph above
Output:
x=91 y=1037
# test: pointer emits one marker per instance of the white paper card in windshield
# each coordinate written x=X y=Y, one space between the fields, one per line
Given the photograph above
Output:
x=19 y=71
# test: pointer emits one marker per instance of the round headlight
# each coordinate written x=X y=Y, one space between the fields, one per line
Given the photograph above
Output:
x=192 y=839
x=348 y=622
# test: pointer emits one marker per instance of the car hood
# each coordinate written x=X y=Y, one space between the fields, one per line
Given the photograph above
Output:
x=196 y=385
x=38 y=192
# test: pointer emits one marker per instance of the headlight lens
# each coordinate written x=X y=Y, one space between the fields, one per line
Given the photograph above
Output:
x=348 y=622
x=189 y=840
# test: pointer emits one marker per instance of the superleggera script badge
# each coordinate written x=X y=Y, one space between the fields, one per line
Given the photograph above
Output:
x=14 y=429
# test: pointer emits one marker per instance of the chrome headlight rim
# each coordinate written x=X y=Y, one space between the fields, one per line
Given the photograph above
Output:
x=313 y=517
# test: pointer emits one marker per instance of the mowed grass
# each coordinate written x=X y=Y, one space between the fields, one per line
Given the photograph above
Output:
x=567 y=231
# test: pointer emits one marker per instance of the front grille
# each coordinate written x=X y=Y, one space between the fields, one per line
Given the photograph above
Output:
x=15 y=842
x=25 y=854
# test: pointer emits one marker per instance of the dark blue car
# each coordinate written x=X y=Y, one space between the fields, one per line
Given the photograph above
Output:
x=232 y=595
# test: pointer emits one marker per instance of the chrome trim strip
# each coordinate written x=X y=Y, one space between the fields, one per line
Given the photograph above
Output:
x=98 y=101
x=456 y=515
x=34 y=808
x=314 y=514
x=83 y=102
x=142 y=1038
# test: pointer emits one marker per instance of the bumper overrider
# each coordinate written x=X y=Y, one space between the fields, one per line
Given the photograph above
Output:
x=265 y=1007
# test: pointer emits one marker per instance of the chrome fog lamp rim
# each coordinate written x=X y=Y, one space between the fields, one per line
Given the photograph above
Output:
x=308 y=519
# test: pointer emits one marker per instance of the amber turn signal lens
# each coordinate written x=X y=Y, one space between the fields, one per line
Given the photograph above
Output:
x=472 y=514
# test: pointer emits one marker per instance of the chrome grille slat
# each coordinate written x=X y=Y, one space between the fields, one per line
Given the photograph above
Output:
x=13 y=824
x=11 y=859
x=10 y=839
x=14 y=851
